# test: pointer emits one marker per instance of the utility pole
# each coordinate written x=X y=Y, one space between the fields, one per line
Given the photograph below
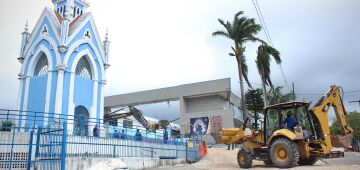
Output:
x=293 y=91
x=355 y=101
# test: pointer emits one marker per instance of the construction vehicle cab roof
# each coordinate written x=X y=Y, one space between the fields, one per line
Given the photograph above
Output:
x=287 y=105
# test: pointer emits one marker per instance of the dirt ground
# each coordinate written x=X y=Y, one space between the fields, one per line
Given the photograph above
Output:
x=220 y=158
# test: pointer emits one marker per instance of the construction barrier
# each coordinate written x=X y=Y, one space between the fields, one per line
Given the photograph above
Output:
x=202 y=149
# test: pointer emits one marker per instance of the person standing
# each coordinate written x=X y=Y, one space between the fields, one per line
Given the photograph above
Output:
x=96 y=131
x=138 y=135
x=123 y=134
x=166 y=136
x=116 y=134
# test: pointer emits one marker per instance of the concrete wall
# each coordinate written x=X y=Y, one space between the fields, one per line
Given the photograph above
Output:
x=119 y=163
x=206 y=103
x=132 y=157
x=205 y=106
x=169 y=93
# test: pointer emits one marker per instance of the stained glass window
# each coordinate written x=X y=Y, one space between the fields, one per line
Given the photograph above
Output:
x=42 y=66
x=83 y=68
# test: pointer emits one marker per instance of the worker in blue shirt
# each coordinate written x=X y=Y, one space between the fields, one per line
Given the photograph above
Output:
x=116 y=134
x=138 y=135
x=290 y=121
x=123 y=134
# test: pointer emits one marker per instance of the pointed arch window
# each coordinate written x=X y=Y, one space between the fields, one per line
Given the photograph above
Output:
x=83 y=68
x=42 y=66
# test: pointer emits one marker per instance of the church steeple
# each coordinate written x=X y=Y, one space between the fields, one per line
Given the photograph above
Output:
x=78 y=7
x=65 y=24
x=69 y=10
x=106 y=50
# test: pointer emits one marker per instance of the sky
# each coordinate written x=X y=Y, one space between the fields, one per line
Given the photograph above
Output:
x=161 y=43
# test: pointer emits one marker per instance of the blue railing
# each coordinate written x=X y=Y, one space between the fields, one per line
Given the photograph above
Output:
x=25 y=120
x=38 y=139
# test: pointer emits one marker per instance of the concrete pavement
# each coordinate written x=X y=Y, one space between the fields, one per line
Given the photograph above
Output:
x=220 y=158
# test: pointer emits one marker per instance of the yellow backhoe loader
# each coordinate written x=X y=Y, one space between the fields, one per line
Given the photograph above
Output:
x=284 y=147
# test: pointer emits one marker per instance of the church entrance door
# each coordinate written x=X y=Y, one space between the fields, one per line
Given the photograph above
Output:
x=81 y=121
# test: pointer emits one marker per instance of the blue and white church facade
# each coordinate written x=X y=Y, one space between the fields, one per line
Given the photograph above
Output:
x=63 y=65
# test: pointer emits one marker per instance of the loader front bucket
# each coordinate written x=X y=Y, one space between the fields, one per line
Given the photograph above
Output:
x=342 y=141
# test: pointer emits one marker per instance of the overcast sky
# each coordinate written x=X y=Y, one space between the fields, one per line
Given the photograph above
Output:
x=162 y=43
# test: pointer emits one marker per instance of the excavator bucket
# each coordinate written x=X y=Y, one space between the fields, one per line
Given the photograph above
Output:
x=342 y=141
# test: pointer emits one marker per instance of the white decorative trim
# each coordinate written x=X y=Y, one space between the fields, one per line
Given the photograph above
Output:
x=33 y=60
x=96 y=33
x=71 y=113
x=48 y=92
x=25 y=100
x=59 y=89
x=94 y=100
x=102 y=103
x=18 y=105
x=62 y=48
x=61 y=67
x=74 y=47
x=52 y=43
x=19 y=95
x=46 y=13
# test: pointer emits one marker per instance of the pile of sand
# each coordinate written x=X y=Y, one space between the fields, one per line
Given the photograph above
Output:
x=111 y=164
x=218 y=158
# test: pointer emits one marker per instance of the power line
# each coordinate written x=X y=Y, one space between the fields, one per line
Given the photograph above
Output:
x=268 y=37
x=353 y=91
x=357 y=101
x=257 y=8
x=265 y=27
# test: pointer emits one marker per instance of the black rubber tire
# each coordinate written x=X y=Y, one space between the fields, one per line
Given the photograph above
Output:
x=267 y=162
x=291 y=150
x=244 y=153
x=308 y=161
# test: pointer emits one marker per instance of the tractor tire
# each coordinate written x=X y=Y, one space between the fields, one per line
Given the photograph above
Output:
x=267 y=162
x=284 y=153
x=244 y=158
x=308 y=161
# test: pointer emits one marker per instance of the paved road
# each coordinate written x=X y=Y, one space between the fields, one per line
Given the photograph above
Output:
x=219 y=158
x=351 y=158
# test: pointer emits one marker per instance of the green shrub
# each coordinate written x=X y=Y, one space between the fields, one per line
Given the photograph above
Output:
x=6 y=125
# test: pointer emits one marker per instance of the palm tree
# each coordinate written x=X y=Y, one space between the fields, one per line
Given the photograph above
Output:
x=264 y=54
x=240 y=31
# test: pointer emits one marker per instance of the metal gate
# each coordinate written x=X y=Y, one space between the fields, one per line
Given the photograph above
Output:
x=50 y=151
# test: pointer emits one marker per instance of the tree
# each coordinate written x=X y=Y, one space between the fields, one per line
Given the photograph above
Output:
x=264 y=54
x=254 y=102
x=240 y=31
x=275 y=96
x=353 y=119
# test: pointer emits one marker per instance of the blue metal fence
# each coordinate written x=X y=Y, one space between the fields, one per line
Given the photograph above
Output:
x=39 y=140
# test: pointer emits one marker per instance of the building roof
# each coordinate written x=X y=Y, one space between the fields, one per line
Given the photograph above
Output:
x=287 y=104
x=218 y=87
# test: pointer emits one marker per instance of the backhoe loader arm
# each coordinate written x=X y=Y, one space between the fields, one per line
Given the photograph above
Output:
x=321 y=110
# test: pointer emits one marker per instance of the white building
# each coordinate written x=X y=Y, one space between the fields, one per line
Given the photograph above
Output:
x=205 y=107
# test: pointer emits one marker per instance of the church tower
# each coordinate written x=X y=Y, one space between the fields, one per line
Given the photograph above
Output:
x=63 y=66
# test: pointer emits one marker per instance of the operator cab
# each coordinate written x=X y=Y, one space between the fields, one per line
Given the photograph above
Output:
x=293 y=116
